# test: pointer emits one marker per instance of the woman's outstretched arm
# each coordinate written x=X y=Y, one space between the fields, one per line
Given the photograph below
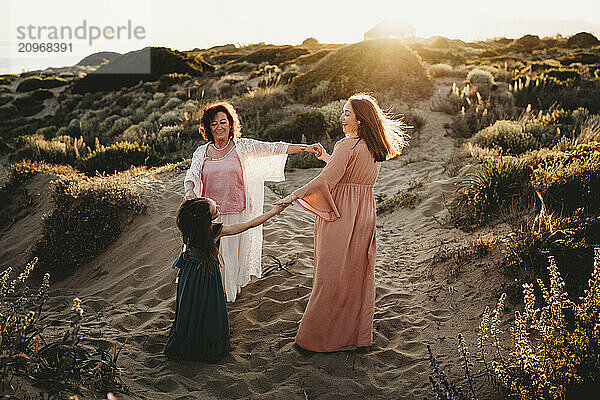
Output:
x=301 y=148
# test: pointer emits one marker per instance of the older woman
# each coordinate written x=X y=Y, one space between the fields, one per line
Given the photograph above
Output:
x=232 y=170
x=339 y=314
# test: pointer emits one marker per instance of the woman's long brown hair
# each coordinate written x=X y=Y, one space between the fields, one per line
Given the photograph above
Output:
x=384 y=135
x=195 y=223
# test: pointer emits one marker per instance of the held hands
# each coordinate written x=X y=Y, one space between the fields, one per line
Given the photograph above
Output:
x=286 y=201
x=318 y=150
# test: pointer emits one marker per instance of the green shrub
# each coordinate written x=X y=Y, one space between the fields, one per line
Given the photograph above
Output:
x=167 y=140
x=440 y=70
x=480 y=113
x=527 y=43
x=384 y=66
x=544 y=92
x=562 y=75
x=30 y=104
x=307 y=127
x=88 y=216
x=120 y=125
x=567 y=122
x=172 y=103
x=30 y=83
x=494 y=185
x=107 y=124
x=481 y=78
x=415 y=118
x=260 y=109
x=433 y=55
x=170 y=118
x=567 y=187
x=59 y=150
x=117 y=157
x=508 y=136
x=582 y=39
x=570 y=240
x=40 y=95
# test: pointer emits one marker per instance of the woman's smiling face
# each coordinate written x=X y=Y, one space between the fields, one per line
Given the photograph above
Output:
x=220 y=127
x=349 y=121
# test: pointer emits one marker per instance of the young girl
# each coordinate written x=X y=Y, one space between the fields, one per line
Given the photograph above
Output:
x=200 y=331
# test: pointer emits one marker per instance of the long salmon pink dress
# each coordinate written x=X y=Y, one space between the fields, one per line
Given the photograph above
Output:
x=339 y=314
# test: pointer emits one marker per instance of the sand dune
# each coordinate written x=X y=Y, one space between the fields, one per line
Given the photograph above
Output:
x=128 y=292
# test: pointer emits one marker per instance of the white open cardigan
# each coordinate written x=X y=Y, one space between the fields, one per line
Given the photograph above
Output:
x=261 y=161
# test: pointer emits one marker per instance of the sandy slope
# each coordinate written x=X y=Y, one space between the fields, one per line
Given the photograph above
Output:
x=128 y=292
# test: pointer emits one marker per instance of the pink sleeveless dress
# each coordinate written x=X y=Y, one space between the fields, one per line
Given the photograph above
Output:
x=223 y=181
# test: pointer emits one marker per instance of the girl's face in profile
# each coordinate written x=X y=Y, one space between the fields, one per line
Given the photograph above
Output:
x=220 y=126
x=349 y=121
x=214 y=209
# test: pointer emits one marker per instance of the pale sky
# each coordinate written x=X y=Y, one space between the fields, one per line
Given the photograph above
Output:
x=184 y=25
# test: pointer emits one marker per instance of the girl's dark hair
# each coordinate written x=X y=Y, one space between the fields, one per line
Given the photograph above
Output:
x=196 y=226
x=209 y=114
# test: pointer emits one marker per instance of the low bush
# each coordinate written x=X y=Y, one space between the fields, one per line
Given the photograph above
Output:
x=117 y=157
x=8 y=112
x=260 y=109
x=88 y=215
x=440 y=70
x=565 y=187
x=570 y=240
x=493 y=186
x=59 y=150
x=432 y=55
x=306 y=127
x=507 y=136
x=590 y=130
x=167 y=140
x=481 y=79
x=581 y=58
x=582 y=39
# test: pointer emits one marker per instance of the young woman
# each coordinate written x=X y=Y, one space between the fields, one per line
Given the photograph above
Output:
x=339 y=314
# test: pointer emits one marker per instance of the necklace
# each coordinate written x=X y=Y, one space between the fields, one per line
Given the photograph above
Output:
x=222 y=148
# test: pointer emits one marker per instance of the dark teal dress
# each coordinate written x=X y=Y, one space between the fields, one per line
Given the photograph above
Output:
x=200 y=331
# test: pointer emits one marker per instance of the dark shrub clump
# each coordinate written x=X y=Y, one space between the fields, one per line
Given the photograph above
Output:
x=88 y=215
